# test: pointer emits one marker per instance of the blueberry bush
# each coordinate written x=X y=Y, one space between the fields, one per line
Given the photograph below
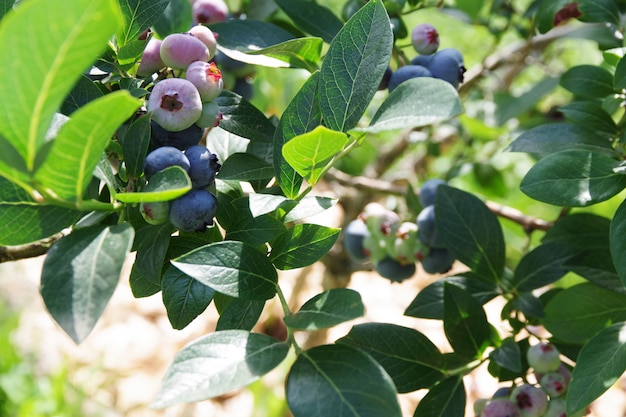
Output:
x=140 y=126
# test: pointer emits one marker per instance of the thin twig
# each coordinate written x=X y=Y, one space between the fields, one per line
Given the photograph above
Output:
x=28 y=250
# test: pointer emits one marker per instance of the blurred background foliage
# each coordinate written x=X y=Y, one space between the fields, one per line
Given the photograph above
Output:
x=468 y=151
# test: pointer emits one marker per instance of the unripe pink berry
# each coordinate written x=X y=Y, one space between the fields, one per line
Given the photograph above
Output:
x=207 y=36
x=531 y=400
x=207 y=78
x=500 y=407
x=151 y=61
x=554 y=384
x=425 y=39
x=209 y=11
x=175 y=104
x=543 y=357
x=179 y=50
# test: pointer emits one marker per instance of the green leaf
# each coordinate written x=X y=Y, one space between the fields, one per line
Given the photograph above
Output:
x=245 y=167
x=599 y=11
x=508 y=355
x=309 y=206
x=541 y=266
x=240 y=314
x=151 y=243
x=465 y=323
x=232 y=268
x=22 y=220
x=593 y=266
x=588 y=81
x=80 y=274
x=577 y=313
x=416 y=103
x=581 y=231
x=619 y=82
x=243 y=119
x=446 y=399
x=312 y=18
x=354 y=65
x=165 y=185
x=75 y=152
x=301 y=116
x=600 y=364
x=135 y=144
x=184 y=297
x=296 y=53
x=84 y=91
x=217 y=364
x=549 y=138
x=79 y=34
x=573 y=178
x=139 y=15
x=327 y=309
x=471 y=232
x=241 y=225
x=302 y=245
x=346 y=380
x=261 y=204
x=428 y=304
x=408 y=356
x=5 y=7
x=176 y=18
x=616 y=238
x=590 y=115
x=311 y=153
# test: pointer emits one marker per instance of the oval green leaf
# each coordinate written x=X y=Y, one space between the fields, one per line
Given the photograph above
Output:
x=80 y=274
x=233 y=268
x=217 y=364
x=347 y=382
x=327 y=309
x=302 y=245
x=416 y=103
x=573 y=178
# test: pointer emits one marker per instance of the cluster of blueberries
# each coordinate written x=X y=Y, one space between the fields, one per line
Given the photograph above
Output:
x=379 y=236
x=181 y=108
x=446 y=64
x=546 y=398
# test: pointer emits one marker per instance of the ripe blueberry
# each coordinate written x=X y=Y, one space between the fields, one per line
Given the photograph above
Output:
x=384 y=82
x=193 y=211
x=423 y=60
x=207 y=78
x=531 y=400
x=354 y=235
x=428 y=191
x=164 y=157
x=447 y=64
x=180 y=140
x=543 y=357
x=209 y=11
x=175 y=104
x=406 y=73
x=203 y=166
x=425 y=38
x=178 y=50
x=151 y=61
x=438 y=261
x=500 y=407
x=394 y=270
x=426 y=229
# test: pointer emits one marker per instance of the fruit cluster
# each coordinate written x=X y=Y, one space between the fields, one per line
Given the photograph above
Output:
x=544 y=399
x=395 y=247
x=181 y=108
x=446 y=64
